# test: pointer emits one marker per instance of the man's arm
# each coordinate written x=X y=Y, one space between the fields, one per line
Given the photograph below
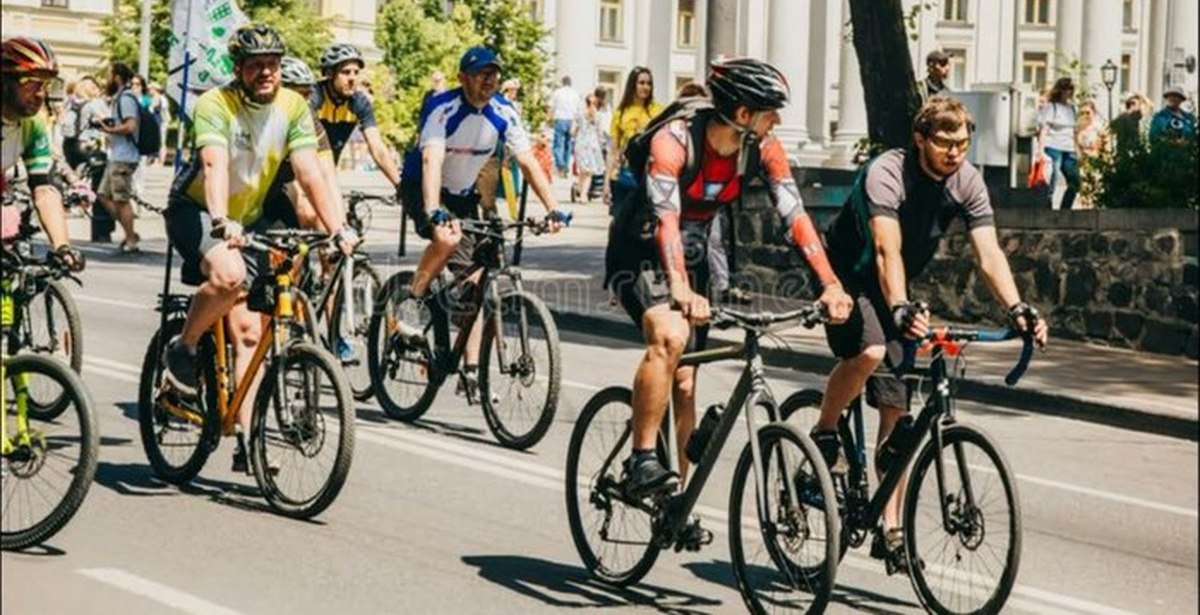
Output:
x=380 y=154
x=433 y=156
x=312 y=180
x=128 y=124
x=215 y=160
x=48 y=203
x=993 y=264
x=537 y=179
x=889 y=263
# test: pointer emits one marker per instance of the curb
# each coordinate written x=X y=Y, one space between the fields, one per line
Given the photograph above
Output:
x=1133 y=419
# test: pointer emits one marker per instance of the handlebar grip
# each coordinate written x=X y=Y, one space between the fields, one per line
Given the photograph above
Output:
x=1018 y=370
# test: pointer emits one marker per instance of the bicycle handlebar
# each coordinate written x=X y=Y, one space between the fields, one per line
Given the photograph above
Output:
x=809 y=316
x=950 y=335
x=355 y=197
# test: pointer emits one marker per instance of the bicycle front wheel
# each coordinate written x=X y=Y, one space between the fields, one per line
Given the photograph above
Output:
x=520 y=372
x=401 y=365
x=962 y=536
x=49 y=468
x=784 y=532
x=614 y=536
x=353 y=328
x=56 y=330
x=302 y=432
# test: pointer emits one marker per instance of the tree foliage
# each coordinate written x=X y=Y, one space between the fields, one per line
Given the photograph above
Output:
x=1139 y=172
x=889 y=86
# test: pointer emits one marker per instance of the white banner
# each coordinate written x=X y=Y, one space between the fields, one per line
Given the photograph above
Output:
x=203 y=28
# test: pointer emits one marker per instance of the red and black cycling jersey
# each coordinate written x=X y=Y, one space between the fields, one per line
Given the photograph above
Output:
x=717 y=183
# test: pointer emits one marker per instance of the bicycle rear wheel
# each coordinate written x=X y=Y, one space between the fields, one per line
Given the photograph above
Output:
x=520 y=371
x=56 y=330
x=963 y=535
x=354 y=328
x=402 y=368
x=612 y=535
x=46 y=476
x=302 y=432
x=177 y=438
x=784 y=542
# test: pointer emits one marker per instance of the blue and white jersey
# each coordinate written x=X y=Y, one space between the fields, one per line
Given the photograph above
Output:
x=469 y=135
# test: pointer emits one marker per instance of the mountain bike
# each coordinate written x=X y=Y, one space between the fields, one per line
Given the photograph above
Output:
x=961 y=515
x=47 y=452
x=520 y=368
x=301 y=437
x=783 y=537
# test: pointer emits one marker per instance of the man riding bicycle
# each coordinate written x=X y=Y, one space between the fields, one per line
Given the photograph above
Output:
x=342 y=106
x=243 y=132
x=886 y=233
x=460 y=130
x=667 y=299
x=28 y=67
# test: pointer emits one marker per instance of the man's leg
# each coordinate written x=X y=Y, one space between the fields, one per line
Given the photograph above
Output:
x=666 y=334
x=117 y=192
x=683 y=393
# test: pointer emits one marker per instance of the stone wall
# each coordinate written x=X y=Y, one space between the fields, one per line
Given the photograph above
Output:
x=1125 y=278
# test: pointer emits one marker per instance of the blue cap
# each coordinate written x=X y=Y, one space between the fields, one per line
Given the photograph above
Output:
x=478 y=58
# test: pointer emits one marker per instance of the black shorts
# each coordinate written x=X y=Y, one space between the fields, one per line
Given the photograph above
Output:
x=189 y=228
x=463 y=207
x=870 y=324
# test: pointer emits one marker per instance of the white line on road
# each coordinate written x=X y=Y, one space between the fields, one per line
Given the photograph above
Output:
x=113 y=302
x=90 y=368
x=1179 y=510
x=110 y=364
x=155 y=591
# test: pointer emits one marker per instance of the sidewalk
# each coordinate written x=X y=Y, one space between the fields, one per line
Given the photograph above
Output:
x=1133 y=390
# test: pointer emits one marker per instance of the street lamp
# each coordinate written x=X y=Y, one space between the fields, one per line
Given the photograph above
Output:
x=1108 y=75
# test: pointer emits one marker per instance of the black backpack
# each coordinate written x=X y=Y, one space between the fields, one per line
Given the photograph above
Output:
x=148 y=136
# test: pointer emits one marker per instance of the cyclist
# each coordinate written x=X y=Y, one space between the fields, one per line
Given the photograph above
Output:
x=459 y=131
x=885 y=234
x=243 y=132
x=737 y=142
x=28 y=68
x=342 y=106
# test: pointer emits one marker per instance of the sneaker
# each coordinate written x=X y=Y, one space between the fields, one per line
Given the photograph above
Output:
x=345 y=352
x=648 y=477
x=242 y=465
x=179 y=368
x=888 y=546
x=830 y=446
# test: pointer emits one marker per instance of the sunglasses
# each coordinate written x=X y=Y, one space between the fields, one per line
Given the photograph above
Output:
x=39 y=83
x=944 y=143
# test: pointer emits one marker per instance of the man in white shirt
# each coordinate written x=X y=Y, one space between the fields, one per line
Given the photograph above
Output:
x=564 y=106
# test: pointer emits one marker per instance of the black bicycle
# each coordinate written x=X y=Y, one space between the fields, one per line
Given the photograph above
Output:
x=961 y=516
x=520 y=369
x=783 y=538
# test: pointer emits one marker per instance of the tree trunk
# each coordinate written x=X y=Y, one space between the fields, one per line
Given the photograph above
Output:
x=887 y=74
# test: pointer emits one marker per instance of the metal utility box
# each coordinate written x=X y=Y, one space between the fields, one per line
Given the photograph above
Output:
x=991 y=107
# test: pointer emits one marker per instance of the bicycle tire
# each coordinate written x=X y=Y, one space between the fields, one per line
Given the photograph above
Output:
x=395 y=292
x=359 y=376
x=156 y=422
x=304 y=437
x=599 y=566
x=55 y=291
x=816 y=579
x=959 y=436
x=522 y=305
x=75 y=394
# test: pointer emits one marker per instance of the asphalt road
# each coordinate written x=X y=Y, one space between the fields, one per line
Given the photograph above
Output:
x=436 y=517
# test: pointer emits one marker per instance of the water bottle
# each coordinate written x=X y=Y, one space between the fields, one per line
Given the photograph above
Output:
x=697 y=444
x=898 y=441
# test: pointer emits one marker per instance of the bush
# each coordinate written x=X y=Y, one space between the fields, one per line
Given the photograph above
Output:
x=1137 y=173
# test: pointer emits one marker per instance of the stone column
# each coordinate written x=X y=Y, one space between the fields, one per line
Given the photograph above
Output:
x=653 y=42
x=720 y=29
x=1068 y=39
x=852 y=104
x=1101 y=42
x=575 y=34
x=1182 y=32
x=787 y=49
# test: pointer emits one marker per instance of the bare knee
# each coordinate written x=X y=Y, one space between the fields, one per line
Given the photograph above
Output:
x=665 y=339
x=226 y=271
x=869 y=359
x=685 y=381
x=246 y=327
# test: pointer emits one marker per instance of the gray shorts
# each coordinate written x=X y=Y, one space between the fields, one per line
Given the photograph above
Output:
x=117 y=183
x=189 y=228
x=870 y=324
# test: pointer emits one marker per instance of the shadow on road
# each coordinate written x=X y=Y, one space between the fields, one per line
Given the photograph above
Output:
x=563 y=586
x=721 y=573
x=42 y=550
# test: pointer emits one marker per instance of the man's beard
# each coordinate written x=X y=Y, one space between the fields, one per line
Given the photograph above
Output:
x=261 y=99
x=13 y=104
x=112 y=87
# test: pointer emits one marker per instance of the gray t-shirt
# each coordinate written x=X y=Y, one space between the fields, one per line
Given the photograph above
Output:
x=121 y=148
x=1060 y=122
x=93 y=110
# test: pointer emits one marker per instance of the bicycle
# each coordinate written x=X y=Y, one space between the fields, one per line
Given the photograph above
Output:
x=45 y=319
x=39 y=449
x=953 y=500
x=409 y=342
x=303 y=408
x=784 y=540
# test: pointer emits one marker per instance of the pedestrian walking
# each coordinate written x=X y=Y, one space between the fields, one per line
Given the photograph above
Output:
x=116 y=187
x=589 y=153
x=564 y=108
x=1056 y=138
x=633 y=113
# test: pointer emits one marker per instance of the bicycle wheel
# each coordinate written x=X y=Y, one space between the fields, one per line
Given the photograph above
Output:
x=964 y=534
x=302 y=435
x=786 y=547
x=354 y=327
x=45 y=477
x=55 y=329
x=613 y=536
x=520 y=371
x=177 y=439
x=401 y=367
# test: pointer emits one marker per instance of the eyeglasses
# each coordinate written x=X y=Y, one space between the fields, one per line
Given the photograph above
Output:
x=944 y=143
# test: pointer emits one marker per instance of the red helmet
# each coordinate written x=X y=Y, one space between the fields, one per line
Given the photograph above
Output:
x=27 y=55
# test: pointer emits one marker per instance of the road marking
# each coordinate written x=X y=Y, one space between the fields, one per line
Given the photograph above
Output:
x=1116 y=497
x=114 y=302
x=89 y=368
x=110 y=364
x=163 y=594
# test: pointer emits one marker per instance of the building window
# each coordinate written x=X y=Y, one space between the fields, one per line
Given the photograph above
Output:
x=609 y=79
x=1125 y=83
x=1034 y=67
x=536 y=9
x=1037 y=12
x=611 y=18
x=954 y=10
x=685 y=24
x=56 y=4
x=958 y=69
x=1127 y=14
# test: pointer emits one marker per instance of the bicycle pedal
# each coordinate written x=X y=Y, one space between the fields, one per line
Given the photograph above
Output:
x=693 y=537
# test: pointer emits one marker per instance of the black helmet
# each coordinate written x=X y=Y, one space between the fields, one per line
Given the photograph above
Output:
x=255 y=40
x=749 y=82
x=337 y=53
x=294 y=72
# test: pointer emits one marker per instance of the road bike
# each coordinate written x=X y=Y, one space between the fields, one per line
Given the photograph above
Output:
x=961 y=515
x=783 y=538
x=520 y=367
x=301 y=437
x=47 y=458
